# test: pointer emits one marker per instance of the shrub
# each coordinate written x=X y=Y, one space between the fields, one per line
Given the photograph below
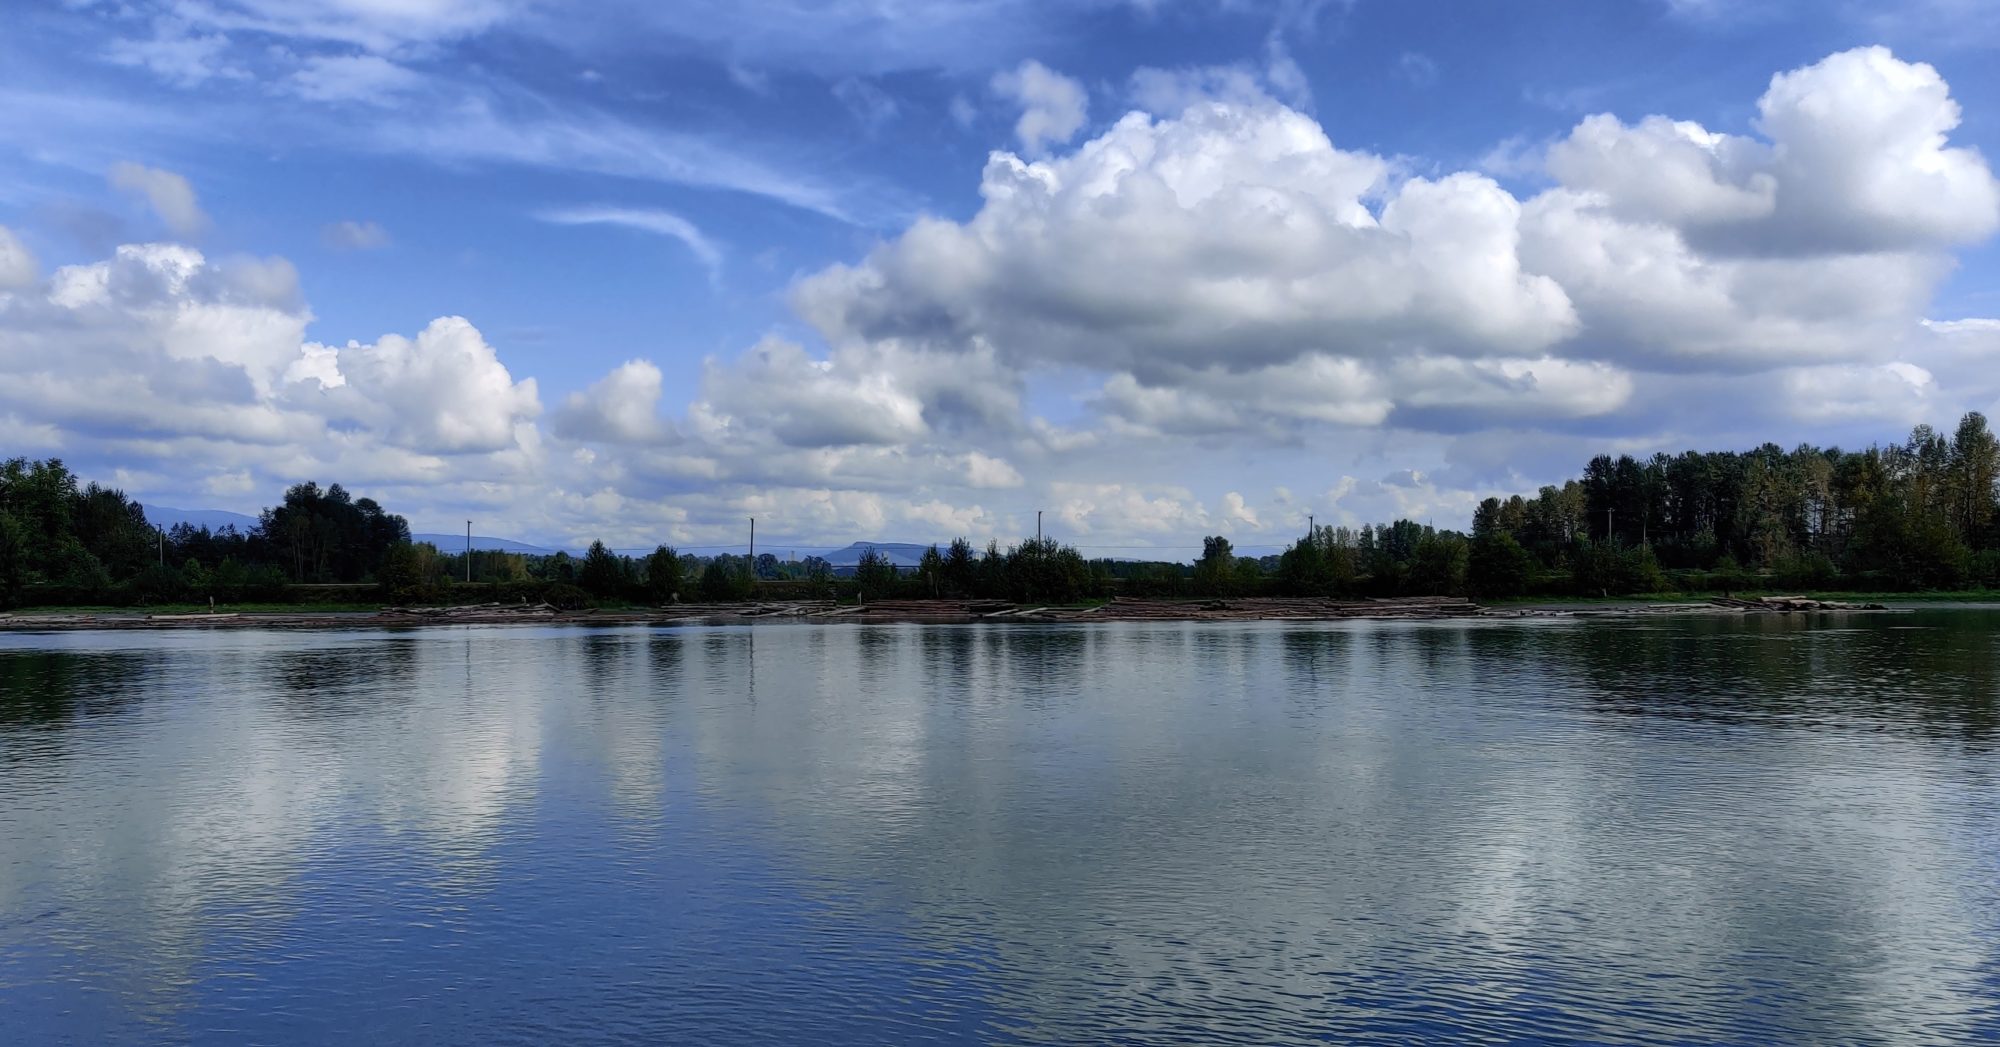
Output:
x=565 y=597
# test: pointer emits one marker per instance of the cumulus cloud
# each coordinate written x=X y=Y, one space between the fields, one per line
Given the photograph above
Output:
x=780 y=390
x=1209 y=280
x=444 y=391
x=162 y=356
x=1230 y=268
x=168 y=194
x=1893 y=394
x=1853 y=159
x=1053 y=106
x=1232 y=235
x=1237 y=512
x=623 y=407
x=1124 y=509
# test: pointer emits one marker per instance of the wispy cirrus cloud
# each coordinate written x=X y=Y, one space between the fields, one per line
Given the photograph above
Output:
x=648 y=220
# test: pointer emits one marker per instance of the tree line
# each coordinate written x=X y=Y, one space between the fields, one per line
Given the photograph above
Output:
x=1921 y=514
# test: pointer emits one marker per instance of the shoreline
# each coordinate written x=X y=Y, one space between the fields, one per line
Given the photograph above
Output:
x=941 y=612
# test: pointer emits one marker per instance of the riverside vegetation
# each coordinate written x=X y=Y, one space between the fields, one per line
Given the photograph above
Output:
x=1919 y=515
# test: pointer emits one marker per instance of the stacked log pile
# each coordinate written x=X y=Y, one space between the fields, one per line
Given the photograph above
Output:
x=921 y=611
x=469 y=614
x=1277 y=609
x=798 y=609
x=1789 y=604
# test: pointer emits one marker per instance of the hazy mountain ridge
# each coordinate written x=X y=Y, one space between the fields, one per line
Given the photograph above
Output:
x=902 y=554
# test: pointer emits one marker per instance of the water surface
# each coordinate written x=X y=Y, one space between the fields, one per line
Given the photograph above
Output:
x=1646 y=831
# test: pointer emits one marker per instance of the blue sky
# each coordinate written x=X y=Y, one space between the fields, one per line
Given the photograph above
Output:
x=901 y=270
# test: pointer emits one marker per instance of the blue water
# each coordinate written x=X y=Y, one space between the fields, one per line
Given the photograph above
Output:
x=1692 y=830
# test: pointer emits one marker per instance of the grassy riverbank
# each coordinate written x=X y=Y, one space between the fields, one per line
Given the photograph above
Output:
x=197 y=608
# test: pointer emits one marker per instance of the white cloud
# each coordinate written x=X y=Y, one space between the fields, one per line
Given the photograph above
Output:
x=474 y=127
x=752 y=80
x=1167 y=92
x=1123 y=509
x=168 y=194
x=779 y=391
x=1418 y=68
x=353 y=78
x=963 y=112
x=1237 y=512
x=376 y=25
x=658 y=222
x=1231 y=235
x=444 y=391
x=1053 y=106
x=986 y=471
x=871 y=106
x=1201 y=302
x=1893 y=394
x=1230 y=271
x=176 y=54
x=18 y=267
x=1854 y=160
x=623 y=407
x=350 y=235
x=162 y=361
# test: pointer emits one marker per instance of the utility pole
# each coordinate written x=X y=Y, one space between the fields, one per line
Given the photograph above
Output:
x=468 y=551
x=753 y=547
x=1610 y=536
x=1038 y=527
x=163 y=545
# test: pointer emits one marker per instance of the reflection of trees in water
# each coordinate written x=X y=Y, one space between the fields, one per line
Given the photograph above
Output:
x=1936 y=674
x=333 y=683
x=49 y=688
x=1111 y=812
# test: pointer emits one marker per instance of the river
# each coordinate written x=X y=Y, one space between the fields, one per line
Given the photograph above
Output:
x=1648 y=830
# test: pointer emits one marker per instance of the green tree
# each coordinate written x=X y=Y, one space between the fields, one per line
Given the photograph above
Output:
x=1215 y=572
x=961 y=568
x=413 y=574
x=931 y=570
x=1498 y=566
x=603 y=572
x=1437 y=565
x=875 y=575
x=663 y=574
x=13 y=560
x=1975 y=478
x=723 y=580
x=818 y=575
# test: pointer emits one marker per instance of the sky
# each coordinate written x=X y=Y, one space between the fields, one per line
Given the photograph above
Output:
x=903 y=270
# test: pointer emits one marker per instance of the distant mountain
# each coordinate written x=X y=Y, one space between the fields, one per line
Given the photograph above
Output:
x=455 y=543
x=167 y=518
x=902 y=554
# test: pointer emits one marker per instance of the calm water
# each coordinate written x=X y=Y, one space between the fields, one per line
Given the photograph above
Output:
x=1666 y=831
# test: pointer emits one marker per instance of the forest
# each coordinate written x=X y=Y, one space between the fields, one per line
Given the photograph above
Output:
x=1919 y=515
